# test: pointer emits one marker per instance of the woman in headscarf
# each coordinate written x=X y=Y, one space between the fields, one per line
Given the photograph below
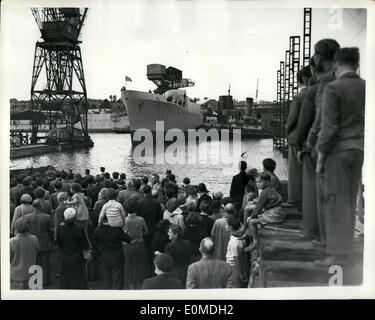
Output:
x=71 y=241
x=22 y=210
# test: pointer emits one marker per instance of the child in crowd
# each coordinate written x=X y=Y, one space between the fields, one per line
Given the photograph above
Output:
x=251 y=186
x=269 y=166
x=113 y=210
x=251 y=199
x=235 y=249
x=267 y=209
x=173 y=213
x=78 y=203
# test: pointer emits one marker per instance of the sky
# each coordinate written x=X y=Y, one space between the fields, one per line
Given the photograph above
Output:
x=213 y=43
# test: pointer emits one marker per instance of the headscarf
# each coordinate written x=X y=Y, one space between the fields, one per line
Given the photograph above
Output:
x=103 y=194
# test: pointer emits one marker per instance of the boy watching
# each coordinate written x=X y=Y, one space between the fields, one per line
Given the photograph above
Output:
x=269 y=166
x=265 y=211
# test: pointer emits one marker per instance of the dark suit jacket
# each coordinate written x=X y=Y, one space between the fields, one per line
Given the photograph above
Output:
x=315 y=128
x=207 y=224
x=162 y=281
x=71 y=241
x=109 y=241
x=40 y=225
x=180 y=251
x=237 y=188
x=150 y=210
x=293 y=116
x=343 y=109
x=306 y=116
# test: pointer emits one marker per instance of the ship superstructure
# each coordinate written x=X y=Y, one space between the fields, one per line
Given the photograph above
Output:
x=168 y=103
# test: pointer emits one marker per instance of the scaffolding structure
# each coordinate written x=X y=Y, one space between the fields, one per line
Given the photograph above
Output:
x=287 y=85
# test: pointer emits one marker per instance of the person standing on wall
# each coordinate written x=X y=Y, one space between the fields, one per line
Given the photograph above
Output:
x=294 y=166
x=325 y=50
x=340 y=148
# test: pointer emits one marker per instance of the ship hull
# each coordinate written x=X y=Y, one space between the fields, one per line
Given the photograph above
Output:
x=145 y=109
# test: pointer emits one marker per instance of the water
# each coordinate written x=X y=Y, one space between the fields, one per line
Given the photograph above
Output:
x=114 y=152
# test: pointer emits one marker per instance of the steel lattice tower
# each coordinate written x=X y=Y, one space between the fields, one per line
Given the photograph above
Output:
x=63 y=98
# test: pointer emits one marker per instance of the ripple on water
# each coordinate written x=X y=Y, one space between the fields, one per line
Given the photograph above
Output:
x=114 y=152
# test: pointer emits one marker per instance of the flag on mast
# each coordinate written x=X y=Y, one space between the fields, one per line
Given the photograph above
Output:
x=126 y=80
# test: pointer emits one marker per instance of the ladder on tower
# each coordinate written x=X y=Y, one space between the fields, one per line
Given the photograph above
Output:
x=307 y=14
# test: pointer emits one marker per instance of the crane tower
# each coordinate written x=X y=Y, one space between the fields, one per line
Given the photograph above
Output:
x=63 y=98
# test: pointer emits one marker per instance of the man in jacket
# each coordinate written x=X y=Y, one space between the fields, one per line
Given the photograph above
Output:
x=325 y=50
x=150 y=210
x=237 y=187
x=220 y=234
x=40 y=225
x=109 y=241
x=163 y=266
x=209 y=273
x=295 y=167
x=340 y=153
x=309 y=190
x=23 y=255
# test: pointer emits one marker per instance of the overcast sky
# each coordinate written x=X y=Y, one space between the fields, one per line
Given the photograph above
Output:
x=213 y=43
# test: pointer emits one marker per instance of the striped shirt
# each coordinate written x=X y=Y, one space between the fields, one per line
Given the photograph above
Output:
x=114 y=212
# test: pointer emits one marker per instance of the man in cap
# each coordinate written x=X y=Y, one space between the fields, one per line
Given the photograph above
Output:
x=325 y=50
x=323 y=59
x=23 y=254
x=209 y=273
x=340 y=153
x=163 y=280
